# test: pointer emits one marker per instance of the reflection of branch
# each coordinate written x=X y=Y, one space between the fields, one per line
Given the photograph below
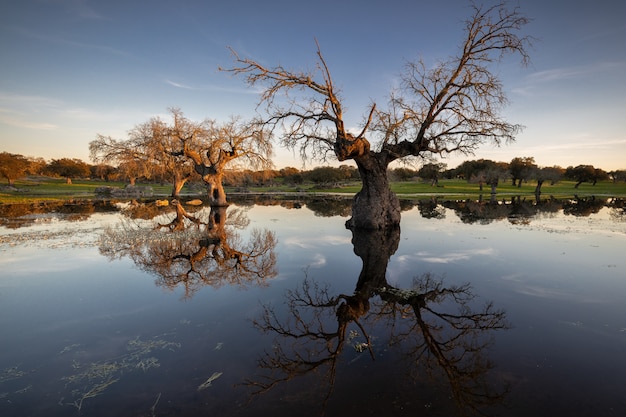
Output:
x=453 y=340
x=312 y=334
x=178 y=223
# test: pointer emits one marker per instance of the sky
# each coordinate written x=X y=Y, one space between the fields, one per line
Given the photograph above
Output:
x=72 y=69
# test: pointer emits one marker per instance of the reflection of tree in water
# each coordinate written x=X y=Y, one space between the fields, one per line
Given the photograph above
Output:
x=328 y=207
x=431 y=209
x=583 y=206
x=519 y=210
x=192 y=253
x=19 y=215
x=437 y=328
x=618 y=209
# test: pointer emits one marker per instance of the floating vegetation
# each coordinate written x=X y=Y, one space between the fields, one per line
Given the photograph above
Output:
x=12 y=373
x=23 y=390
x=93 y=379
x=69 y=348
x=209 y=382
x=153 y=408
x=360 y=347
x=148 y=363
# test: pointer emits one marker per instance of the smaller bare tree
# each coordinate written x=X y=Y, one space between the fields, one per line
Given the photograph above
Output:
x=212 y=147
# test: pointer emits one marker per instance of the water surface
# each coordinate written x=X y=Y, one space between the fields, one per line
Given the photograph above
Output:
x=274 y=308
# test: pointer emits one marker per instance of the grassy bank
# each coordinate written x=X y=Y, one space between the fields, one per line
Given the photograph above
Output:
x=53 y=189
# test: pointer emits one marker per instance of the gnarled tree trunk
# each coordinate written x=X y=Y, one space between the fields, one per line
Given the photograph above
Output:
x=215 y=189
x=375 y=206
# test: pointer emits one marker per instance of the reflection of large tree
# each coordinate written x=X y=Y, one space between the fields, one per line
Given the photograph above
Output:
x=192 y=253
x=437 y=328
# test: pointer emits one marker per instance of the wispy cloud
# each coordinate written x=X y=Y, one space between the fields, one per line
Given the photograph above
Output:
x=581 y=143
x=11 y=118
x=18 y=111
x=213 y=88
x=79 y=8
x=27 y=100
x=537 y=81
x=179 y=85
x=70 y=42
x=566 y=73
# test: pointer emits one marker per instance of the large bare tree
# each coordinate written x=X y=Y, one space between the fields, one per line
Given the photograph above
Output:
x=453 y=106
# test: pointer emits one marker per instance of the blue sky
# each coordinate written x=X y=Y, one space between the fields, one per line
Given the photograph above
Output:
x=71 y=69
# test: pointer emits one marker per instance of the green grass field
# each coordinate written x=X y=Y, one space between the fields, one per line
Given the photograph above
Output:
x=50 y=189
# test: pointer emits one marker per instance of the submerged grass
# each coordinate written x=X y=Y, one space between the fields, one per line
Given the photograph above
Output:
x=93 y=379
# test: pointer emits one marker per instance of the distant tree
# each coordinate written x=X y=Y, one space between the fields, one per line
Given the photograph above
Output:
x=13 y=166
x=600 y=175
x=483 y=171
x=402 y=174
x=68 y=168
x=36 y=166
x=521 y=169
x=468 y=169
x=291 y=175
x=128 y=155
x=103 y=171
x=585 y=173
x=325 y=175
x=617 y=175
x=146 y=153
x=452 y=106
x=552 y=174
x=491 y=176
x=349 y=172
x=156 y=143
x=432 y=172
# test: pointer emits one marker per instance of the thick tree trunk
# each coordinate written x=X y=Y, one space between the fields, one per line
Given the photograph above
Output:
x=215 y=190
x=375 y=248
x=538 y=187
x=375 y=206
x=179 y=183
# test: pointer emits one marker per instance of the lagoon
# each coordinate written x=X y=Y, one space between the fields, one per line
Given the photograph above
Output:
x=272 y=307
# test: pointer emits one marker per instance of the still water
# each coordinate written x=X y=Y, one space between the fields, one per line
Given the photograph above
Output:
x=274 y=308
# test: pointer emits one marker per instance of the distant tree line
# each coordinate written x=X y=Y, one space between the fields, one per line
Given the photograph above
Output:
x=483 y=172
x=15 y=166
x=519 y=170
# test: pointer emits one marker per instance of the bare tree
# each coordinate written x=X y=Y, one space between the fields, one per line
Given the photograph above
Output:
x=212 y=147
x=126 y=154
x=146 y=153
x=156 y=145
x=451 y=107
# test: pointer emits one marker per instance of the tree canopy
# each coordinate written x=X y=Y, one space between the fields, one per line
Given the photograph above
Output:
x=68 y=168
x=12 y=166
